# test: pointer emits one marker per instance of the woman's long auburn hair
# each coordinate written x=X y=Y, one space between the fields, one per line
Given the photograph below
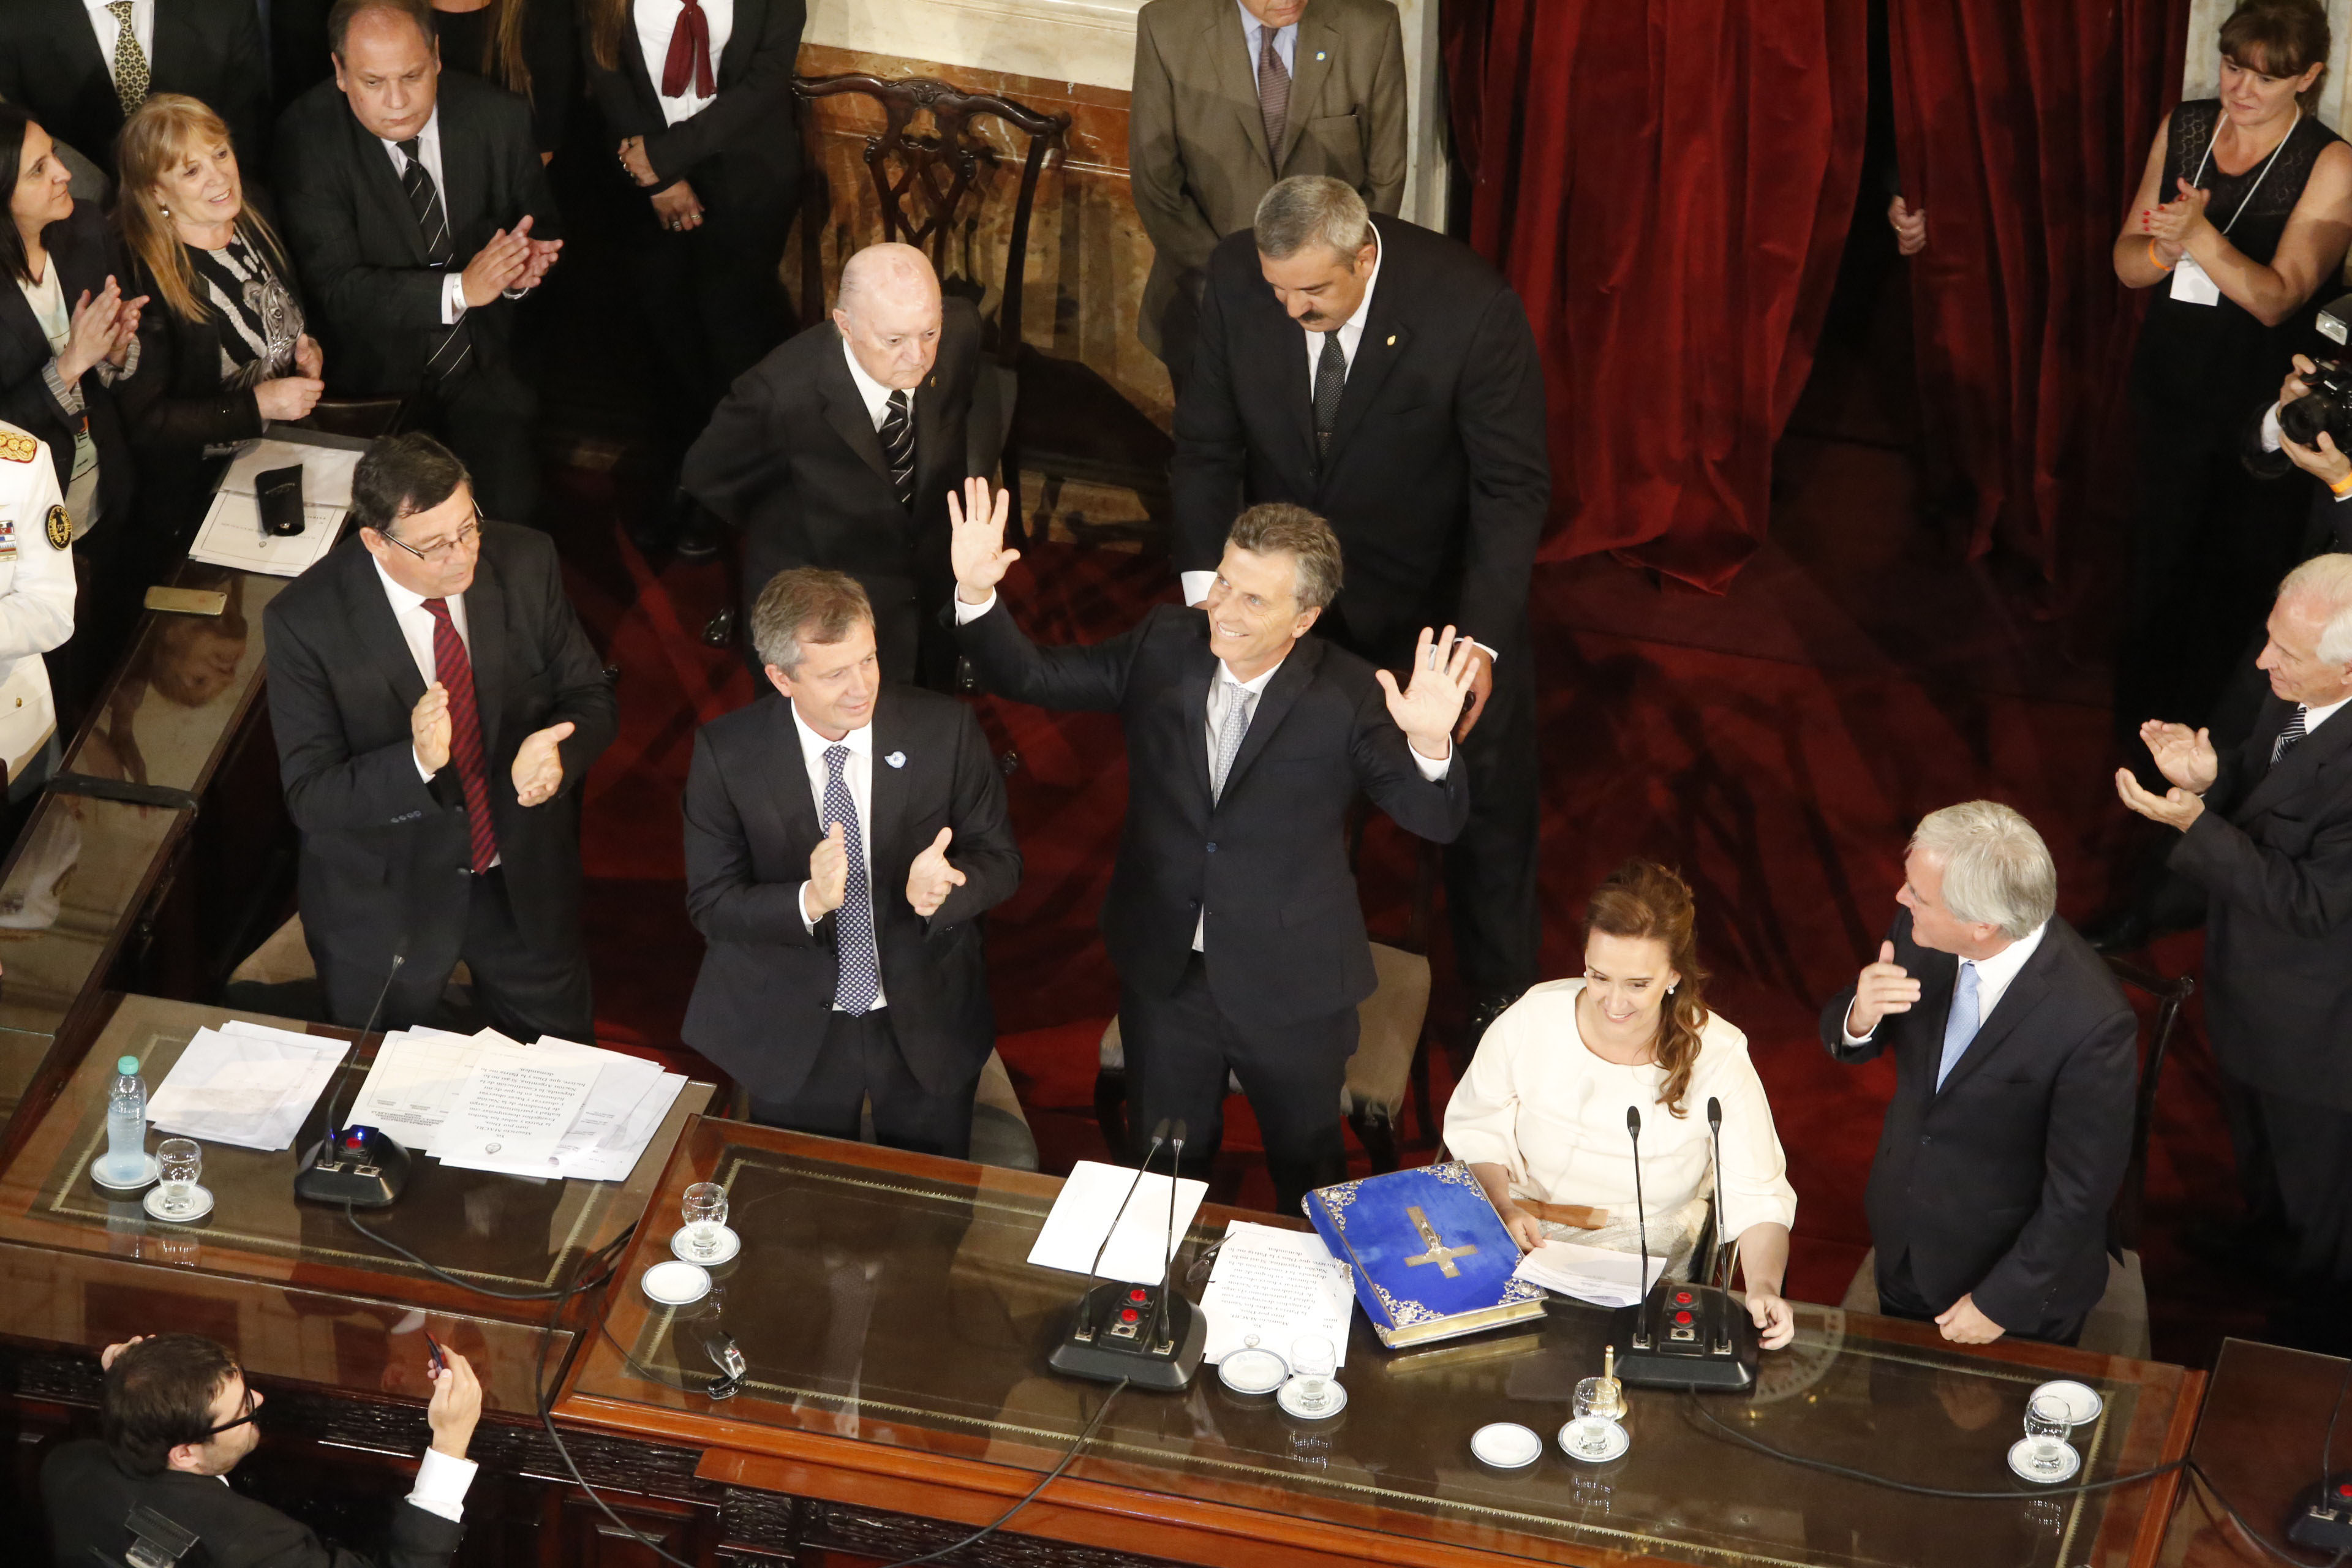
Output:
x=1645 y=900
x=162 y=131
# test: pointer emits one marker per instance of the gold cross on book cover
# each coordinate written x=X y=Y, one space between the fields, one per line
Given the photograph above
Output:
x=1441 y=1254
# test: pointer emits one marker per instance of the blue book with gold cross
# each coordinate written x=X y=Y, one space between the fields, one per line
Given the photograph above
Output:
x=1429 y=1257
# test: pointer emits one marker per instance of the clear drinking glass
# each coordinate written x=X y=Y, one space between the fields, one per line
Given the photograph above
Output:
x=2049 y=1421
x=705 y=1213
x=181 y=1164
x=1312 y=1363
x=1599 y=1396
x=1591 y=1436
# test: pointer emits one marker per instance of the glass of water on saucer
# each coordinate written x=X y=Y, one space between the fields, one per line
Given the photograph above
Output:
x=704 y=1239
x=1313 y=1390
x=2044 y=1455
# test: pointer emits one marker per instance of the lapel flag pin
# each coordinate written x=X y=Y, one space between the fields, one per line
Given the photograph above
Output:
x=897 y=759
x=1319 y=55
x=1391 y=339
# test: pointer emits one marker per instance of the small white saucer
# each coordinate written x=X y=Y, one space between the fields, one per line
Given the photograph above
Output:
x=1252 y=1370
x=1618 y=1442
x=730 y=1244
x=1505 y=1445
x=1287 y=1399
x=2083 y=1401
x=148 y=1173
x=2018 y=1452
x=153 y=1203
x=676 y=1284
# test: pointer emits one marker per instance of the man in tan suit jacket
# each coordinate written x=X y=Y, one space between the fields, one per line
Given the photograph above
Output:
x=1198 y=150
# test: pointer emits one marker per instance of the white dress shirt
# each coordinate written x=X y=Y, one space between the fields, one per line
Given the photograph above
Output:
x=416 y=627
x=1285 y=42
x=428 y=152
x=657 y=23
x=102 y=23
x=1993 y=977
x=876 y=395
x=2313 y=718
x=441 y=1483
x=857 y=773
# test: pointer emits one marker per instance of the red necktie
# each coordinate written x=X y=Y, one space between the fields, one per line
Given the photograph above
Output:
x=689 y=54
x=456 y=672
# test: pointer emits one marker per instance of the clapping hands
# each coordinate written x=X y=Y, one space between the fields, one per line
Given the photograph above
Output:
x=2172 y=224
x=2188 y=761
x=930 y=878
x=539 y=764
x=1425 y=710
x=104 y=326
x=976 y=542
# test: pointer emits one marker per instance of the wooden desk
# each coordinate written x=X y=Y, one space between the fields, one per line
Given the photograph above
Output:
x=899 y=1396
x=2266 y=1415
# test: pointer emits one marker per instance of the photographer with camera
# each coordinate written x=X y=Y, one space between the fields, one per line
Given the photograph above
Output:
x=2310 y=427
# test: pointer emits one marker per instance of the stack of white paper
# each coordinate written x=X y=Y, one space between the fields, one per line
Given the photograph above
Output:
x=485 y=1102
x=232 y=534
x=246 y=1084
x=1275 y=1285
x=1594 y=1274
x=1081 y=1215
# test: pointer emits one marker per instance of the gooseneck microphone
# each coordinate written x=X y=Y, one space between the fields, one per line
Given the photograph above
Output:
x=368 y=1169
x=1641 y=1218
x=1159 y=1137
x=1168 y=1250
x=1727 y=1247
x=1146 y=1335
x=1686 y=1333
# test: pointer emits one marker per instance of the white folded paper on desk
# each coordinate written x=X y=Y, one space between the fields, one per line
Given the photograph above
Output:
x=1081 y=1215
x=1596 y=1274
x=515 y=1107
x=412 y=1084
x=1275 y=1285
x=247 y=1084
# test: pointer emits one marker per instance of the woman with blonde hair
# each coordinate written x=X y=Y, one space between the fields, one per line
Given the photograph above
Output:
x=222 y=350
x=1540 y=1115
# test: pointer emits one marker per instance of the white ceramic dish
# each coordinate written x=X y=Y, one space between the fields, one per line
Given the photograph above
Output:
x=2018 y=1463
x=2083 y=1401
x=146 y=1177
x=1252 y=1370
x=153 y=1203
x=730 y=1244
x=1505 y=1445
x=676 y=1283
x=1616 y=1440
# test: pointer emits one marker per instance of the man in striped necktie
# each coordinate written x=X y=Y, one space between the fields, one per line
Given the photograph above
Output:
x=2266 y=835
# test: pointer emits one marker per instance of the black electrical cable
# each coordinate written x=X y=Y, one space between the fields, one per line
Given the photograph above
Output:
x=447 y=1278
x=993 y=1526
x=2253 y=1534
x=1830 y=1468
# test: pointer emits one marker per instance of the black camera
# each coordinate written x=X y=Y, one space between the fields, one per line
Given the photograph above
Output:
x=2326 y=407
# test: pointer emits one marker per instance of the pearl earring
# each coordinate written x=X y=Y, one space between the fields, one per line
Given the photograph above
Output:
x=165 y=210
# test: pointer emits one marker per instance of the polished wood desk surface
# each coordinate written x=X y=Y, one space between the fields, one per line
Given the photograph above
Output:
x=896 y=1341
x=290 y=1286
x=2266 y=1418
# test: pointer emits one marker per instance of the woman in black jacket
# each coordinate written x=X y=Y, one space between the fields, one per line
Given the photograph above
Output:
x=222 y=347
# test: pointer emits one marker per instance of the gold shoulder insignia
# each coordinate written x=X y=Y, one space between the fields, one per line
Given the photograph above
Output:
x=18 y=446
x=59 y=529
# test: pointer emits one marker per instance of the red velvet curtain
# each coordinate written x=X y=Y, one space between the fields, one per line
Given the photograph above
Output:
x=1667 y=183
x=2023 y=128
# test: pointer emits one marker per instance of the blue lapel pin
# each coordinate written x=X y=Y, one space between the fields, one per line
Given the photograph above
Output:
x=897 y=759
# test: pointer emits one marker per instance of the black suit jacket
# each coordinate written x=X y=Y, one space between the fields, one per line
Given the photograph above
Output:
x=376 y=303
x=2329 y=523
x=745 y=146
x=1286 y=930
x=792 y=457
x=51 y=64
x=88 y=1496
x=752 y=820
x=84 y=250
x=2273 y=851
x=1438 y=479
x=383 y=851
x=1998 y=1184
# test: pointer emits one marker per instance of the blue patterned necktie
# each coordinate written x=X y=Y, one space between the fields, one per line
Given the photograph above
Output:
x=860 y=975
x=1959 y=1024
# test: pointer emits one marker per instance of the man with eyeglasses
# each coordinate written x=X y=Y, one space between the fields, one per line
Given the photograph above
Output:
x=177 y=1416
x=436 y=705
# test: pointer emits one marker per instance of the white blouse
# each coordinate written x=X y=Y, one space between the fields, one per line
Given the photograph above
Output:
x=1540 y=1103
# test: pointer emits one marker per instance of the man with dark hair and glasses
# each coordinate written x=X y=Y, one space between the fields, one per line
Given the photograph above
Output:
x=178 y=1416
x=436 y=705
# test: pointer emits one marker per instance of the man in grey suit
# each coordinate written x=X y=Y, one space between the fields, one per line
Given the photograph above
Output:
x=1231 y=96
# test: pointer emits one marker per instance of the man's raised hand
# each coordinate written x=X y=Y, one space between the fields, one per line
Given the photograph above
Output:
x=2184 y=756
x=1882 y=988
x=539 y=764
x=1425 y=710
x=930 y=878
x=976 y=540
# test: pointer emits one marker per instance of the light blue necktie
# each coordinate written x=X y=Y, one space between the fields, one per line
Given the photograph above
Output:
x=1960 y=1023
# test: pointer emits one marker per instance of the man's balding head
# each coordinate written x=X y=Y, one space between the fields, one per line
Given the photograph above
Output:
x=889 y=313
x=386 y=63
x=2308 y=656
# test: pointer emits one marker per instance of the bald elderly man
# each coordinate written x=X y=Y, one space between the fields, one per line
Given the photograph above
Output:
x=841 y=448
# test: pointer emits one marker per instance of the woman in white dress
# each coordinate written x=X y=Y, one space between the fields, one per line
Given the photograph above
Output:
x=1540 y=1116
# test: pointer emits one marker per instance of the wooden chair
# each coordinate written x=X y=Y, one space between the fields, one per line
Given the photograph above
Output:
x=1061 y=417
x=2118 y=1324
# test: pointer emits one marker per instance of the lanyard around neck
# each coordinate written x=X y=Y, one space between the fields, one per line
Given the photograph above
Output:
x=2259 y=178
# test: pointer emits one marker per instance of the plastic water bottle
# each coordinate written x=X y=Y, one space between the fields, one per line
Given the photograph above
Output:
x=126 y=1124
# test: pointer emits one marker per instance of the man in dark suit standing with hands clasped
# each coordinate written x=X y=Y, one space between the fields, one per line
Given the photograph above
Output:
x=840 y=846
x=841 y=448
x=419 y=212
x=1385 y=377
x=2014 y=1077
x=1232 y=917
x=2266 y=836
x=437 y=706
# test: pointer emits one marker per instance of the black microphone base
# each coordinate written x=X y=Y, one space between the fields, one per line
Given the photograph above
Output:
x=1106 y=1345
x=1686 y=1336
x=2321 y=1519
x=366 y=1175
